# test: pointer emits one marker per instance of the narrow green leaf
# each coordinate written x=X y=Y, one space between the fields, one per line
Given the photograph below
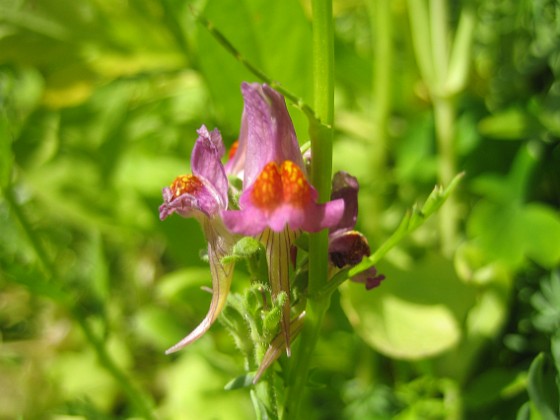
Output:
x=460 y=57
x=242 y=381
x=419 y=25
x=410 y=222
x=542 y=388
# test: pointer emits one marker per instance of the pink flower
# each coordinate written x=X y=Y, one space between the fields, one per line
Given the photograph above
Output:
x=277 y=200
x=203 y=195
x=276 y=192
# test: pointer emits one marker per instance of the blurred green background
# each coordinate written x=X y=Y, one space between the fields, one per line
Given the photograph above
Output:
x=99 y=103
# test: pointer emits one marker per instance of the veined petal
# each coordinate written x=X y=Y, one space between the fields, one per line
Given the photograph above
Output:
x=270 y=133
x=219 y=244
x=189 y=196
x=236 y=161
x=248 y=221
x=346 y=187
x=206 y=163
x=282 y=197
x=278 y=252
x=206 y=190
x=321 y=216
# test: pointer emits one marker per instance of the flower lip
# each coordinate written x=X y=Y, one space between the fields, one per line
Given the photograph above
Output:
x=206 y=190
x=267 y=189
x=276 y=185
x=276 y=192
x=186 y=184
x=295 y=188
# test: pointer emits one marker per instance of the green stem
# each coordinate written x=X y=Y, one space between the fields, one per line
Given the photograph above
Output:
x=444 y=114
x=323 y=93
x=430 y=38
x=439 y=43
x=321 y=150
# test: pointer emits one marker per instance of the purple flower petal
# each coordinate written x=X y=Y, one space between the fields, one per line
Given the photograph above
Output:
x=201 y=198
x=247 y=221
x=280 y=197
x=347 y=248
x=369 y=277
x=236 y=164
x=346 y=186
x=206 y=163
x=322 y=216
x=270 y=133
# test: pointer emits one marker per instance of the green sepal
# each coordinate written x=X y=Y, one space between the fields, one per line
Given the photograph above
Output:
x=242 y=381
x=246 y=247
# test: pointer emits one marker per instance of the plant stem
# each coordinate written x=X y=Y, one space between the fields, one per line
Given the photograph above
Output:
x=431 y=36
x=444 y=115
x=323 y=93
x=321 y=150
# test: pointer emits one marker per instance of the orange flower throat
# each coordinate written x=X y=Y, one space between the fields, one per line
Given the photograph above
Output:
x=278 y=184
x=233 y=149
x=185 y=184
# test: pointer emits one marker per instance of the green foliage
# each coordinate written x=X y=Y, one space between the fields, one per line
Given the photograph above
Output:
x=99 y=103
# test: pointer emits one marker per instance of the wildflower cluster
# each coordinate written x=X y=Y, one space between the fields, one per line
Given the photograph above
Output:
x=276 y=205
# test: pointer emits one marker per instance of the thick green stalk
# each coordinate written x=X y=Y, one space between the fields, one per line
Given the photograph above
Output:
x=431 y=37
x=444 y=118
x=323 y=93
x=321 y=149
x=444 y=114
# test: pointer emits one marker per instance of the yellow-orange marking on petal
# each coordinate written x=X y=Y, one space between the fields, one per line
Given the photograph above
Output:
x=233 y=150
x=185 y=184
x=267 y=189
x=295 y=187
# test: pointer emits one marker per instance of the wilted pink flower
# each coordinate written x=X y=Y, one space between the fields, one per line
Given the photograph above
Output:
x=347 y=247
x=202 y=195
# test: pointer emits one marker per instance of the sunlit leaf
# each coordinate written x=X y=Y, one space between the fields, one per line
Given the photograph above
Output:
x=415 y=313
